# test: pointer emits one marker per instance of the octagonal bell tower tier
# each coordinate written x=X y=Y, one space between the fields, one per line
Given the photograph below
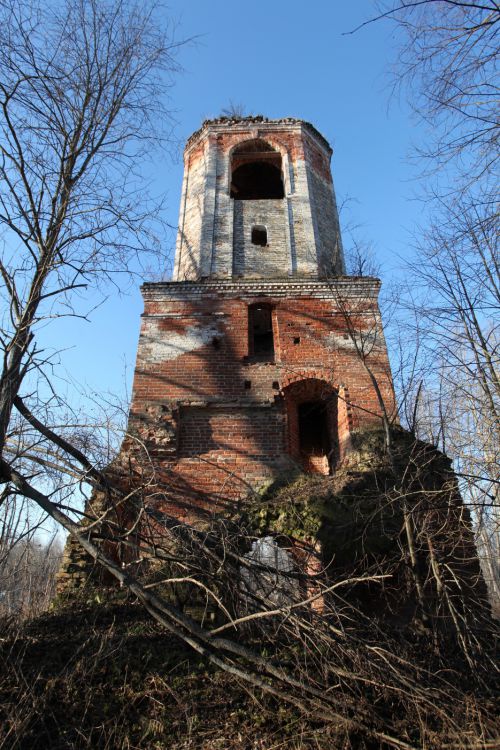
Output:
x=257 y=202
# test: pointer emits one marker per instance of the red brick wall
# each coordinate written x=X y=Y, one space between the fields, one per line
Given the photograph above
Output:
x=219 y=421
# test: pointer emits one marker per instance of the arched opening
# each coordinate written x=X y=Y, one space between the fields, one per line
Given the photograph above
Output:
x=314 y=439
x=260 y=332
x=256 y=172
x=312 y=415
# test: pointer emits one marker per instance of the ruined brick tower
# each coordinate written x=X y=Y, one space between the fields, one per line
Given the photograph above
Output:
x=252 y=361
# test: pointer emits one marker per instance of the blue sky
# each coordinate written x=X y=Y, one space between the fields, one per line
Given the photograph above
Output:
x=278 y=59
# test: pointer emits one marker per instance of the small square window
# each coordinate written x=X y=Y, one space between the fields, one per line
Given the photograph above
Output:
x=259 y=235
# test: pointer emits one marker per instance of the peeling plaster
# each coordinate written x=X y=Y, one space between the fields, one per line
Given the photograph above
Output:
x=160 y=345
x=365 y=342
x=335 y=341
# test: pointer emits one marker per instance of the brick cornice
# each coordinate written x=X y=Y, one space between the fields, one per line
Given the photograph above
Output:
x=348 y=287
x=244 y=124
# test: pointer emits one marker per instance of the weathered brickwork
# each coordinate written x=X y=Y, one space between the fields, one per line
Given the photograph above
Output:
x=210 y=221
x=250 y=259
x=253 y=362
x=223 y=420
x=260 y=360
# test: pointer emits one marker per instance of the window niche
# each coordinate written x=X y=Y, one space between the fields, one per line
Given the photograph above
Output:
x=260 y=332
x=259 y=235
x=256 y=172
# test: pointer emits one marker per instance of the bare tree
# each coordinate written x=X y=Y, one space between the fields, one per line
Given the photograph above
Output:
x=82 y=97
x=234 y=110
x=28 y=569
x=82 y=107
x=449 y=57
x=447 y=61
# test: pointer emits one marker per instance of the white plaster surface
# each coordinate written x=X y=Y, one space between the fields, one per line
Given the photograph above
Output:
x=158 y=345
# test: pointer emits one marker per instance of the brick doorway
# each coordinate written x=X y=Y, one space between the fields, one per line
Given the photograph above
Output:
x=314 y=436
x=312 y=416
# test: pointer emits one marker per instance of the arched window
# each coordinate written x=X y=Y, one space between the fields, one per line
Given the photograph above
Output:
x=256 y=172
x=260 y=332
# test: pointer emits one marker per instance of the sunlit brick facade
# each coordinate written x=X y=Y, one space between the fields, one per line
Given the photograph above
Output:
x=258 y=358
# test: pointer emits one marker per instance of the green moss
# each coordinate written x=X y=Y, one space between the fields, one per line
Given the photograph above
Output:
x=349 y=513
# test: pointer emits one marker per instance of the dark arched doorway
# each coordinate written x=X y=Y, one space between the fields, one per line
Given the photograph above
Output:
x=312 y=417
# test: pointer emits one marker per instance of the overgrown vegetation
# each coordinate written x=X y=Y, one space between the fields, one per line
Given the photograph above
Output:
x=106 y=676
x=392 y=648
x=446 y=62
x=373 y=641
